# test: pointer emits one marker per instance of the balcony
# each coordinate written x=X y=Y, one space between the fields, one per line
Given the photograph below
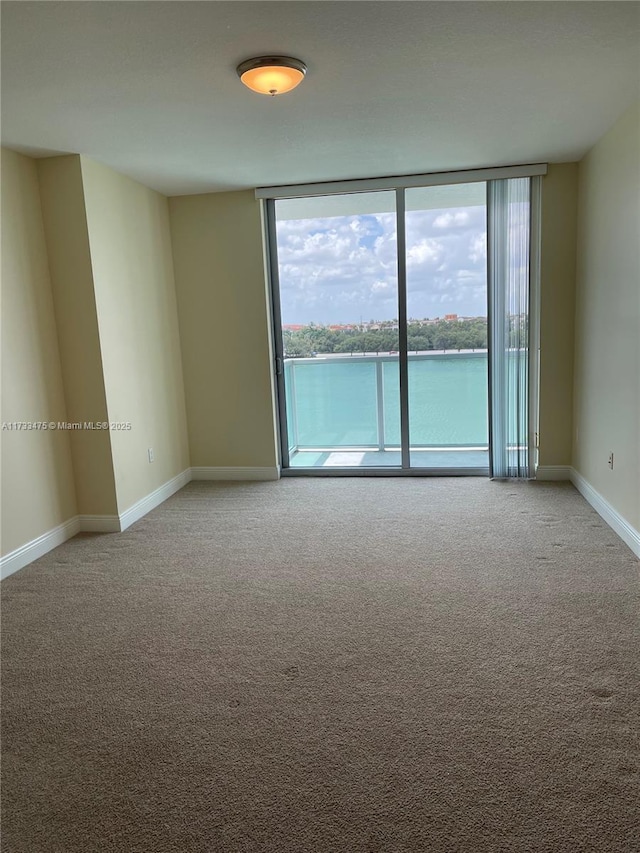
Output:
x=343 y=411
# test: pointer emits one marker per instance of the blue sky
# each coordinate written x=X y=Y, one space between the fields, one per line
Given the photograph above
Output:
x=342 y=269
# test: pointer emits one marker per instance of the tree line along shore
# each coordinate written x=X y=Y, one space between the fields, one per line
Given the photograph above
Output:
x=441 y=335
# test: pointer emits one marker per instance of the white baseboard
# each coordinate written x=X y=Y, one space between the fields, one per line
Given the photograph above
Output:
x=553 y=472
x=619 y=525
x=235 y=473
x=38 y=547
x=31 y=551
x=99 y=523
x=154 y=499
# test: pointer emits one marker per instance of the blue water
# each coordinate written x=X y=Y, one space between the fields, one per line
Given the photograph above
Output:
x=336 y=402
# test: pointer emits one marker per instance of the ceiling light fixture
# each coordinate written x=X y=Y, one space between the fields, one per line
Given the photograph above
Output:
x=272 y=75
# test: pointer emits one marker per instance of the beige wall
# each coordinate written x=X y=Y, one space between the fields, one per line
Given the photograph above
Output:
x=90 y=333
x=607 y=353
x=223 y=309
x=224 y=329
x=38 y=491
x=75 y=308
x=557 y=309
x=130 y=244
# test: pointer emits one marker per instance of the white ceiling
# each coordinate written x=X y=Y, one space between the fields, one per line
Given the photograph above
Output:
x=393 y=87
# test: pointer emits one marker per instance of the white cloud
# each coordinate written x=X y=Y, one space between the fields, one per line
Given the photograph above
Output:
x=478 y=247
x=339 y=269
x=450 y=219
x=426 y=250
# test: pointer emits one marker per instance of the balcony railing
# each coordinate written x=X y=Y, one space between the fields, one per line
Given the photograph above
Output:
x=352 y=402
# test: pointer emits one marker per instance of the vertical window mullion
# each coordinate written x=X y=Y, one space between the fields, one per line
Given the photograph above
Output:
x=402 y=326
x=276 y=326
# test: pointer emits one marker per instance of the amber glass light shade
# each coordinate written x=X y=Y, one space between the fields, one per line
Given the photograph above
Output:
x=272 y=75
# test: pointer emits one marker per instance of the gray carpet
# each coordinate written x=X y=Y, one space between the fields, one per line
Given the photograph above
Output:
x=333 y=665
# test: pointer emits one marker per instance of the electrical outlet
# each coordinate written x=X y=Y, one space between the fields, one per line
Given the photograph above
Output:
x=611 y=460
x=150 y=453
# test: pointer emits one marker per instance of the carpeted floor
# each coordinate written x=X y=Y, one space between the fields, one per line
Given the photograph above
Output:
x=328 y=666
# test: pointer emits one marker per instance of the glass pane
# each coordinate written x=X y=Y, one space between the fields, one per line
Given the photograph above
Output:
x=446 y=233
x=333 y=402
x=337 y=265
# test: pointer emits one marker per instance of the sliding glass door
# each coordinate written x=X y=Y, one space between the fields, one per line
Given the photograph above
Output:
x=446 y=250
x=338 y=330
x=402 y=328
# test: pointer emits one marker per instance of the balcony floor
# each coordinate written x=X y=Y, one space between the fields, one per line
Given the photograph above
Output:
x=453 y=458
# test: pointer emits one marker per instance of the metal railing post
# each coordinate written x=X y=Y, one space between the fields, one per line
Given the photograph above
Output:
x=380 y=402
x=294 y=404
